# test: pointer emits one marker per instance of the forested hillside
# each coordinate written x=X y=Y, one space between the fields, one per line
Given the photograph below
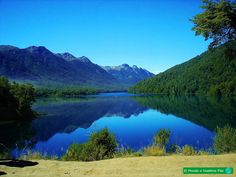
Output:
x=16 y=100
x=211 y=73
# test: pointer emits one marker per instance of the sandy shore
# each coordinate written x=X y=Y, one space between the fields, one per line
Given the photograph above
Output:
x=170 y=166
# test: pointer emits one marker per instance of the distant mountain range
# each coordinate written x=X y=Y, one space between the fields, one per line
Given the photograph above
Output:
x=42 y=67
x=128 y=75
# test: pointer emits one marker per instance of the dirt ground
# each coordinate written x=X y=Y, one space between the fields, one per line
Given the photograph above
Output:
x=171 y=166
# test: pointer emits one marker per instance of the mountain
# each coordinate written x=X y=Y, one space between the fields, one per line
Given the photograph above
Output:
x=211 y=73
x=42 y=67
x=66 y=56
x=129 y=75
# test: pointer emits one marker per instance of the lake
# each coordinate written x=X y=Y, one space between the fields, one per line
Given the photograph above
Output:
x=133 y=119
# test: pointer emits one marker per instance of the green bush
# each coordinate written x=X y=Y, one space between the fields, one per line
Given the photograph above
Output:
x=101 y=145
x=225 y=139
x=161 y=138
x=188 y=150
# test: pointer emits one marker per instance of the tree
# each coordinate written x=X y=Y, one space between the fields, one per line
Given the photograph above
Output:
x=104 y=144
x=217 y=21
x=24 y=93
x=161 y=138
x=101 y=145
x=16 y=99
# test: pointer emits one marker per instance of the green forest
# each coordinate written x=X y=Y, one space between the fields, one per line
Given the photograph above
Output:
x=64 y=91
x=16 y=100
x=211 y=73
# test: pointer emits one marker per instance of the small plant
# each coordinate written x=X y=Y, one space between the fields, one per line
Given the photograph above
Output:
x=31 y=155
x=154 y=151
x=188 y=150
x=37 y=156
x=161 y=138
x=127 y=152
x=202 y=152
x=225 y=139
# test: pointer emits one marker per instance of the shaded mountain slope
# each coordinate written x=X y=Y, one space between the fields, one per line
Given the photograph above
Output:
x=42 y=67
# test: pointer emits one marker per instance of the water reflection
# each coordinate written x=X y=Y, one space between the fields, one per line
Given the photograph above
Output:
x=133 y=119
x=208 y=112
x=68 y=114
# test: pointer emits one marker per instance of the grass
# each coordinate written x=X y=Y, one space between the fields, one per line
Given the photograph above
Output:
x=189 y=150
x=154 y=151
x=158 y=166
x=37 y=156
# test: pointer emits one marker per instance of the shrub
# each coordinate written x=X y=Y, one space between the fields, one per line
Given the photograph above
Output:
x=101 y=145
x=73 y=152
x=188 y=150
x=104 y=143
x=225 y=139
x=175 y=149
x=161 y=138
x=154 y=151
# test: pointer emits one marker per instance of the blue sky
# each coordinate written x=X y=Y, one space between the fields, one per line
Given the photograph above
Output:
x=153 y=34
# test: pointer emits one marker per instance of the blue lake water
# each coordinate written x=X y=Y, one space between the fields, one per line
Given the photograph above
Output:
x=134 y=119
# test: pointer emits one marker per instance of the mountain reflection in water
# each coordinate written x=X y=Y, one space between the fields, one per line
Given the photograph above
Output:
x=134 y=119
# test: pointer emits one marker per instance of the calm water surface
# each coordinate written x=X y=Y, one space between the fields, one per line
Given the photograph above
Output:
x=134 y=119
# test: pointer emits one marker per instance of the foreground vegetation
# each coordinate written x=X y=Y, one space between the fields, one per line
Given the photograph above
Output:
x=103 y=145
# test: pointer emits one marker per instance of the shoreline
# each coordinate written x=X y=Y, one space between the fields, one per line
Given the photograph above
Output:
x=152 y=166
